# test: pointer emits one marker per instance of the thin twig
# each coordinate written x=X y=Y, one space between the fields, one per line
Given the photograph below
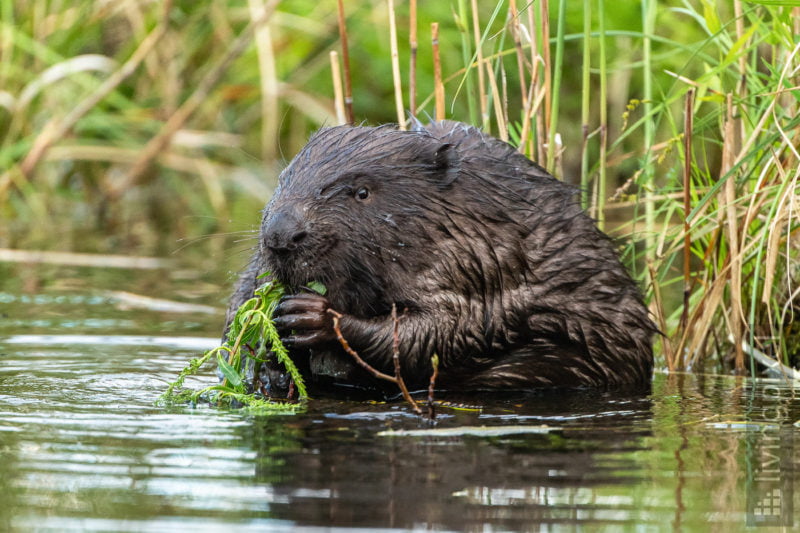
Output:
x=354 y=354
x=396 y=357
x=396 y=379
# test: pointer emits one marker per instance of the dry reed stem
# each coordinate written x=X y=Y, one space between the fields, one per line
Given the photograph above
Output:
x=497 y=103
x=504 y=93
x=600 y=198
x=270 y=124
x=710 y=300
x=544 y=16
x=56 y=130
x=701 y=320
x=158 y=144
x=412 y=61
x=774 y=231
x=525 y=138
x=516 y=35
x=616 y=204
x=437 y=73
x=741 y=89
x=537 y=88
x=398 y=84
x=687 y=206
x=728 y=199
x=657 y=306
x=482 y=96
x=338 y=92
x=348 y=88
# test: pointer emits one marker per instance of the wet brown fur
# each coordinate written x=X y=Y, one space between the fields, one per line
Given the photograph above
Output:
x=498 y=269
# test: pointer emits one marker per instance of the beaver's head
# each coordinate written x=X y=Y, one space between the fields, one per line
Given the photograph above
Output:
x=350 y=212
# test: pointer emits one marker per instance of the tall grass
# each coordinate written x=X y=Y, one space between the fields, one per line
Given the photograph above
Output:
x=90 y=92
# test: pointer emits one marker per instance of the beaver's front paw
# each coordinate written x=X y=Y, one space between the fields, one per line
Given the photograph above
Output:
x=303 y=320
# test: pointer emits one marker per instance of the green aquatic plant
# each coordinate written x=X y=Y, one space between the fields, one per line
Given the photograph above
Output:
x=251 y=336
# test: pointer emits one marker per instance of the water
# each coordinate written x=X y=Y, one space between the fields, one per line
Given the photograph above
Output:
x=82 y=446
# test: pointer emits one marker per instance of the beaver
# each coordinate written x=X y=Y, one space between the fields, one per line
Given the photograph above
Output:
x=490 y=261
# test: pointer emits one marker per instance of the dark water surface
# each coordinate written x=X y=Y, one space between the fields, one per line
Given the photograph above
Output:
x=82 y=446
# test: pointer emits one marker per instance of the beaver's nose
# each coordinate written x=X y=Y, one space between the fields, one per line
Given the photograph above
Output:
x=284 y=231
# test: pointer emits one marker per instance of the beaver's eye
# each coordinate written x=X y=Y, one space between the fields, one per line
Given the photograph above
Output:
x=362 y=193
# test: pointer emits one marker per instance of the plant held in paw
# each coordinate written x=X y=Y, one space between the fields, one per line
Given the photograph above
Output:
x=251 y=340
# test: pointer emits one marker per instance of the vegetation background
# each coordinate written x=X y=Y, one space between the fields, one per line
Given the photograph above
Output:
x=125 y=125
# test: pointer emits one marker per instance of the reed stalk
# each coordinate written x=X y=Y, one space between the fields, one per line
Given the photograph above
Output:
x=687 y=210
x=398 y=83
x=348 y=88
x=586 y=91
x=412 y=61
x=648 y=29
x=482 y=96
x=462 y=22
x=538 y=94
x=730 y=218
x=338 y=92
x=437 y=73
x=544 y=36
x=270 y=124
x=497 y=102
x=516 y=34
x=552 y=148
x=600 y=195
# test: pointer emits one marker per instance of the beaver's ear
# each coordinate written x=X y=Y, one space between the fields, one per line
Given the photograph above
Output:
x=446 y=162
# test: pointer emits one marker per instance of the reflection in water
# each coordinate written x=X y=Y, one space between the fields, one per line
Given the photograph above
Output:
x=345 y=475
x=83 y=447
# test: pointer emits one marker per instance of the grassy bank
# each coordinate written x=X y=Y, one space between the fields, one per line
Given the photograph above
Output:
x=678 y=120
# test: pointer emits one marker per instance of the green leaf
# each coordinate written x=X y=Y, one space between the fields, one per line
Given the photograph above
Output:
x=229 y=372
x=711 y=18
x=317 y=287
